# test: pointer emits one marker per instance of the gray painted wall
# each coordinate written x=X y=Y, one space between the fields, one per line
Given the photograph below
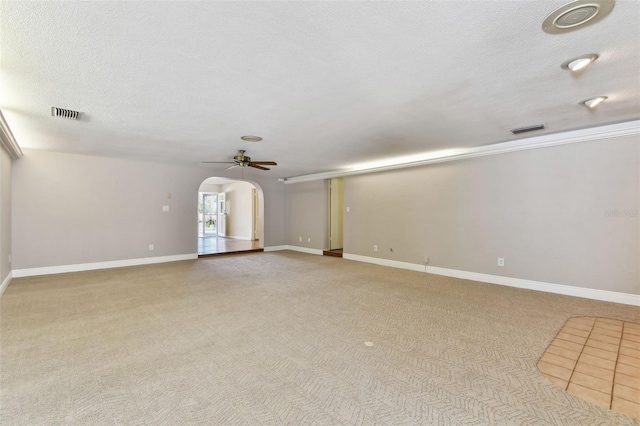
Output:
x=546 y=211
x=5 y=213
x=73 y=209
x=308 y=204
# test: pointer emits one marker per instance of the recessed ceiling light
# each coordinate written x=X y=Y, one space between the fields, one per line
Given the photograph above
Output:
x=592 y=103
x=575 y=14
x=579 y=63
x=250 y=138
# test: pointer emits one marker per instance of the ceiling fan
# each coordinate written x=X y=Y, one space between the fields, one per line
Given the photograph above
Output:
x=242 y=160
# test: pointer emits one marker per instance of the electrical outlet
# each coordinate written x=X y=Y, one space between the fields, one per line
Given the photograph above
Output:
x=165 y=208
x=151 y=247
x=375 y=248
x=9 y=258
x=309 y=239
x=300 y=239
x=426 y=260
x=348 y=209
x=500 y=261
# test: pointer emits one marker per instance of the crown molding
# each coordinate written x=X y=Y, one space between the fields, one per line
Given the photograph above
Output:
x=583 y=135
x=8 y=141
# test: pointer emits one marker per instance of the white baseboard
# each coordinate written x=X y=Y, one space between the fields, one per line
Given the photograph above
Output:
x=588 y=293
x=5 y=283
x=305 y=250
x=384 y=262
x=47 y=270
x=294 y=248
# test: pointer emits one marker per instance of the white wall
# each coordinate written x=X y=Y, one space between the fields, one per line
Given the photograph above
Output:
x=210 y=187
x=72 y=209
x=239 y=204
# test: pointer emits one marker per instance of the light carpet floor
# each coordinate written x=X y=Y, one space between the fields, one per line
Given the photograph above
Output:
x=279 y=338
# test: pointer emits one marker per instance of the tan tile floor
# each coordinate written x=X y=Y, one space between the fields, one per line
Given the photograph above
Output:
x=597 y=359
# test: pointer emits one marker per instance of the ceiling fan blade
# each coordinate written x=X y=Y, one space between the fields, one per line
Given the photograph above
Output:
x=265 y=163
x=255 y=166
x=231 y=167
x=218 y=162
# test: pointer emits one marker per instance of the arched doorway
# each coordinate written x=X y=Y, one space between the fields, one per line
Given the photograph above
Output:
x=230 y=216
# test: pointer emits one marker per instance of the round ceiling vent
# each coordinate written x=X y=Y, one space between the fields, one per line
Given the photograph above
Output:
x=576 y=14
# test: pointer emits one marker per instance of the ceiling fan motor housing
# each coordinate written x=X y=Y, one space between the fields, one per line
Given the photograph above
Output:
x=242 y=159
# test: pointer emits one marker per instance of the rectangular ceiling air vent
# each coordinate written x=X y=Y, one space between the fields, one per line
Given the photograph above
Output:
x=528 y=129
x=65 y=113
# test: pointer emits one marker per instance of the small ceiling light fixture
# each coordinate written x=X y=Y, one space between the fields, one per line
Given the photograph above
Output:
x=250 y=138
x=575 y=14
x=579 y=63
x=592 y=103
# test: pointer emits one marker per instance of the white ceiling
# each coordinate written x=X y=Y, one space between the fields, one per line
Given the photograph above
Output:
x=325 y=84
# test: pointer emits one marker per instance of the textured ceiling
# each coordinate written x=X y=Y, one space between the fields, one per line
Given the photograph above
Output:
x=325 y=84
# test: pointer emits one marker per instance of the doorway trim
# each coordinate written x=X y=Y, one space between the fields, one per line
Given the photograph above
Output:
x=336 y=213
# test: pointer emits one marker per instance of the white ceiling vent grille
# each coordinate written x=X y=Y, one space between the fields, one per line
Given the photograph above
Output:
x=65 y=113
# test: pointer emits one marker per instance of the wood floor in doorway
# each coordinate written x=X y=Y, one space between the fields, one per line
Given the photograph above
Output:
x=334 y=253
x=215 y=246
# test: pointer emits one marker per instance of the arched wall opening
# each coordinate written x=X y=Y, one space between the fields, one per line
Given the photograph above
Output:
x=238 y=216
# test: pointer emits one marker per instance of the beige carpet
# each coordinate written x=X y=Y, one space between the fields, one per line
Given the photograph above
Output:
x=279 y=338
